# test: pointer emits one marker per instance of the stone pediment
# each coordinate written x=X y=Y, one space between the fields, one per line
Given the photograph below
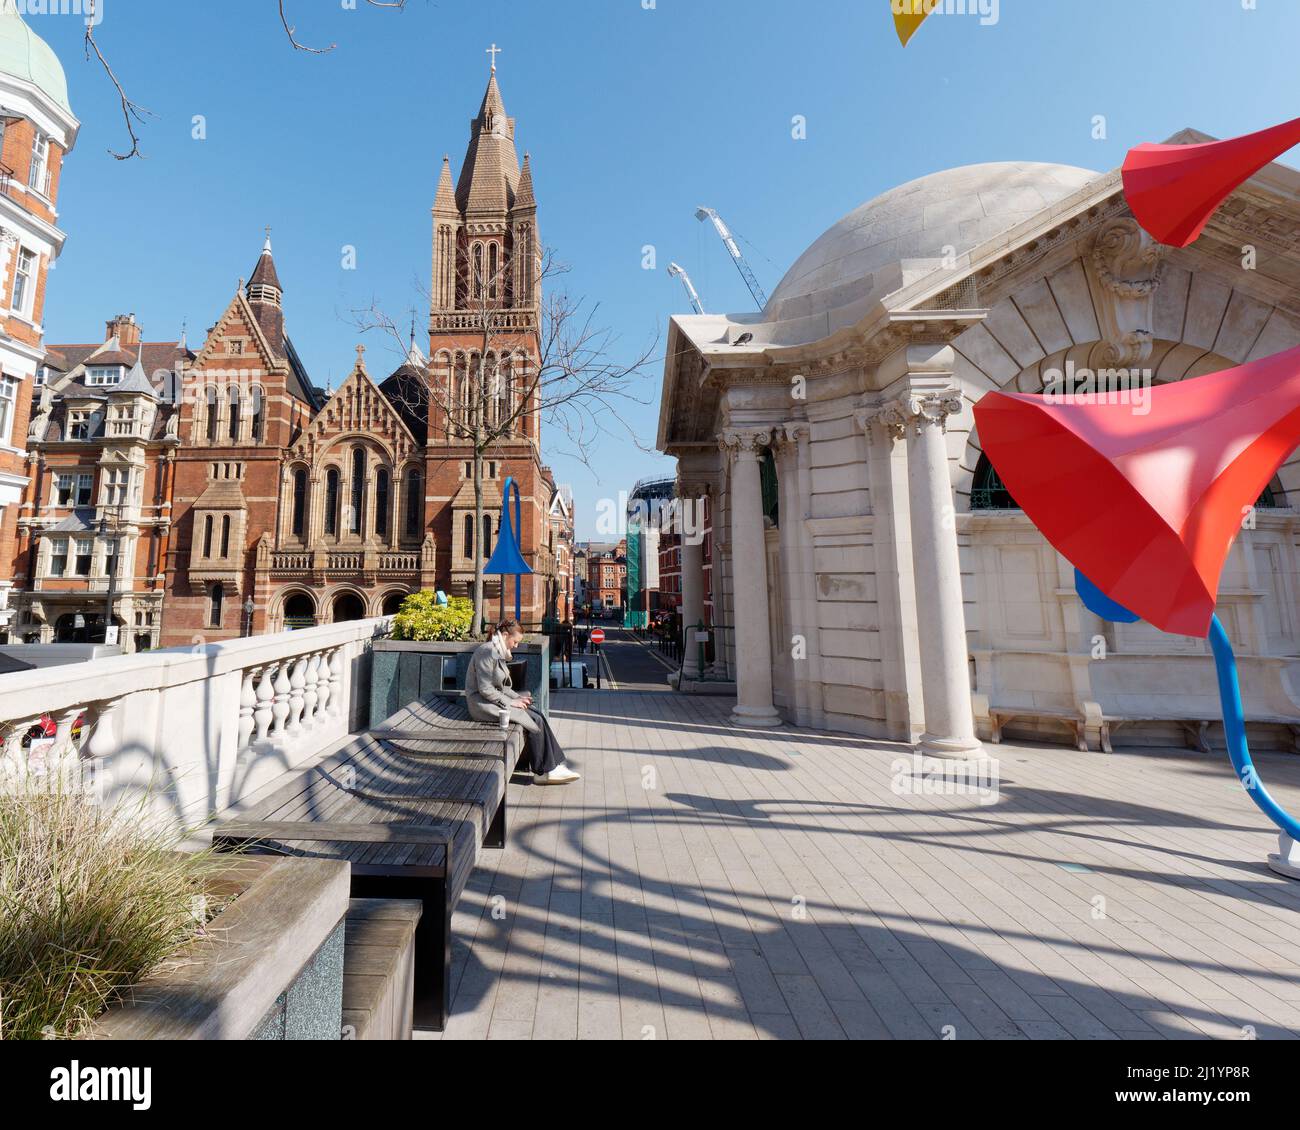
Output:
x=358 y=407
x=236 y=324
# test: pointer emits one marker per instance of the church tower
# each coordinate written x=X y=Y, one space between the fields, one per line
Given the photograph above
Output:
x=484 y=332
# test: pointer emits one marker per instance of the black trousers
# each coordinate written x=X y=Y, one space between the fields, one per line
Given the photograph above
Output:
x=544 y=752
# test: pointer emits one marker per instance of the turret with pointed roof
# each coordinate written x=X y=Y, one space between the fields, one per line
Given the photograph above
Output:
x=266 y=297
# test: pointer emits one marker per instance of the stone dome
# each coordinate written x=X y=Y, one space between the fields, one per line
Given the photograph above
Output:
x=26 y=56
x=957 y=208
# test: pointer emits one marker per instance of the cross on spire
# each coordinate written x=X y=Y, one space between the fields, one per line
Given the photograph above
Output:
x=494 y=51
x=361 y=356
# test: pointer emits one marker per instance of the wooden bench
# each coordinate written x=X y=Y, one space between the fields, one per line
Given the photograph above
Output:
x=379 y=969
x=410 y=824
x=441 y=726
x=1094 y=727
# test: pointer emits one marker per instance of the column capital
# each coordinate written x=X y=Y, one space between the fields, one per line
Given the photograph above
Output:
x=745 y=441
x=793 y=432
x=916 y=410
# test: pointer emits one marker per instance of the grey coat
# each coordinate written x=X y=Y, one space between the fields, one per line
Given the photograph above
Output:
x=488 y=691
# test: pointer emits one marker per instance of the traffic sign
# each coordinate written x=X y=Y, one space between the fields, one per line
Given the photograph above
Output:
x=598 y=636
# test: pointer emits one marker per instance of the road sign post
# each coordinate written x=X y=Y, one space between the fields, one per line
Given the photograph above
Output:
x=597 y=638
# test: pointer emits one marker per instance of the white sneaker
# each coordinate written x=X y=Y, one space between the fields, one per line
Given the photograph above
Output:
x=560 y=775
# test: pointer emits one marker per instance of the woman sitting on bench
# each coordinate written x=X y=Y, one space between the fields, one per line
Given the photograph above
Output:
x=488 y=692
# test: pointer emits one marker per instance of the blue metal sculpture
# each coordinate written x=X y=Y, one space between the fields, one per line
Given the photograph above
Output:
x=507 y=560
x=1287 y=861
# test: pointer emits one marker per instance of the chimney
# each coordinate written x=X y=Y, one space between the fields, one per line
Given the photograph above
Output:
x=125 y=328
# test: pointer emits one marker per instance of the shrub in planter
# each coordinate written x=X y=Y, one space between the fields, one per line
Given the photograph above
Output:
x=422 y=618
x=91 y=902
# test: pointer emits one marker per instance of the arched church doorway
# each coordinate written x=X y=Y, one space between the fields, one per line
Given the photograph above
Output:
x=299 y=612
x=348 y=606
x=392 y=604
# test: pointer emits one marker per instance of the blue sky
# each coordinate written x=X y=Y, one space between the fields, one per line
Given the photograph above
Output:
x=633 y=116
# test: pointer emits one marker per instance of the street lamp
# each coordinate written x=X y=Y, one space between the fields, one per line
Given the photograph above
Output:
x=112 y=561
x=249 y=608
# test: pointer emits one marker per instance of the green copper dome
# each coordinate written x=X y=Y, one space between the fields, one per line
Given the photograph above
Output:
x=25 y=55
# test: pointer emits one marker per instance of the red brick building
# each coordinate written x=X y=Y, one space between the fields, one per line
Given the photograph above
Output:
x=220 y=493
x=37 y=130
x=607 y=577
x=97 y=510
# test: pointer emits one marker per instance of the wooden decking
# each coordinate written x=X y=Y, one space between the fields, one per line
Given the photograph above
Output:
x=703 y=881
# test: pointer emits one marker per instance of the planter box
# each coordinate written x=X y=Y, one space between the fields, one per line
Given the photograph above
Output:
x=269 y=968
x=403 y=672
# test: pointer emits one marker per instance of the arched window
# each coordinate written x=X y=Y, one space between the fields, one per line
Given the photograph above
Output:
x=358 y=502
x=225 y=535
x=487 y=535
x=217 y=598
x=414 y=504
x=299 y=501
x=771 y=488
x=987 y=491
x=504 y=380
x=234 y=415
x=332 y=502
x=381 y=502
x=493 y=269
x=476 y=282
x=469 y=536
x=259 y=416
x=213 y=416
x=207 y=536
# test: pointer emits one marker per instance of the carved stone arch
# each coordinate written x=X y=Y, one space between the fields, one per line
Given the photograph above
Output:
x=1169 y=363
x=383 y=595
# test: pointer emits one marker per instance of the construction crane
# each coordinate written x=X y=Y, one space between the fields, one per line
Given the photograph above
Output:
x=678 y=273
x=733 y=249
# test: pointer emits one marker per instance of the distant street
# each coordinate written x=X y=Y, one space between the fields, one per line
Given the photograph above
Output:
x=635 y=666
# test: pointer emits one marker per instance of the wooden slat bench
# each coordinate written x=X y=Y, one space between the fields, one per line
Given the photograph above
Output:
x=411 y=826
x=379 y=969
x=441 y=725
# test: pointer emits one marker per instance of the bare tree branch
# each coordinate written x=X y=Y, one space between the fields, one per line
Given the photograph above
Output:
x=132 y=112
x=572 y=384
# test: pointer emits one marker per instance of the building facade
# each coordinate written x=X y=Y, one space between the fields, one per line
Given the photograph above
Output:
x=606 y=589
x=217 y=493
x=37 y=132
x=92 y=542
x=878 y=578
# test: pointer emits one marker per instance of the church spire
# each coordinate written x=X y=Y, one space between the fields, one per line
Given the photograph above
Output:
x=524 y=198
x=266 y=297
x=491 y=171
x=445 y=201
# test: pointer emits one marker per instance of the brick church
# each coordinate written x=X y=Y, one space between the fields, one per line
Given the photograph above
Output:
x=251 y=500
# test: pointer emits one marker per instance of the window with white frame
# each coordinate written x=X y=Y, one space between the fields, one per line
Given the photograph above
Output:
x=80 y=424
x=38 y=176
x=24 y=281
x=99 y=375
x=73 y=489
x=83 y=555
x=117 y=486
x=8 y=401
x=58 y=557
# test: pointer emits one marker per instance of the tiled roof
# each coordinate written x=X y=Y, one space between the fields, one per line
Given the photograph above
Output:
x=153 y=355
x=490 y=175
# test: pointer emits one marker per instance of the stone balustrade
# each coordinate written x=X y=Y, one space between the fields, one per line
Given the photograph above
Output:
x=194 y=730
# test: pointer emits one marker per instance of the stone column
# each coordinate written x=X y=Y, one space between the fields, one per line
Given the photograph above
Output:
x=921 y=417
x=753 y=631
x=692 y=567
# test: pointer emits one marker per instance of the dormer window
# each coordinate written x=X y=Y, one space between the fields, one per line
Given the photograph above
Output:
x=100 y=376
x=80 y=424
